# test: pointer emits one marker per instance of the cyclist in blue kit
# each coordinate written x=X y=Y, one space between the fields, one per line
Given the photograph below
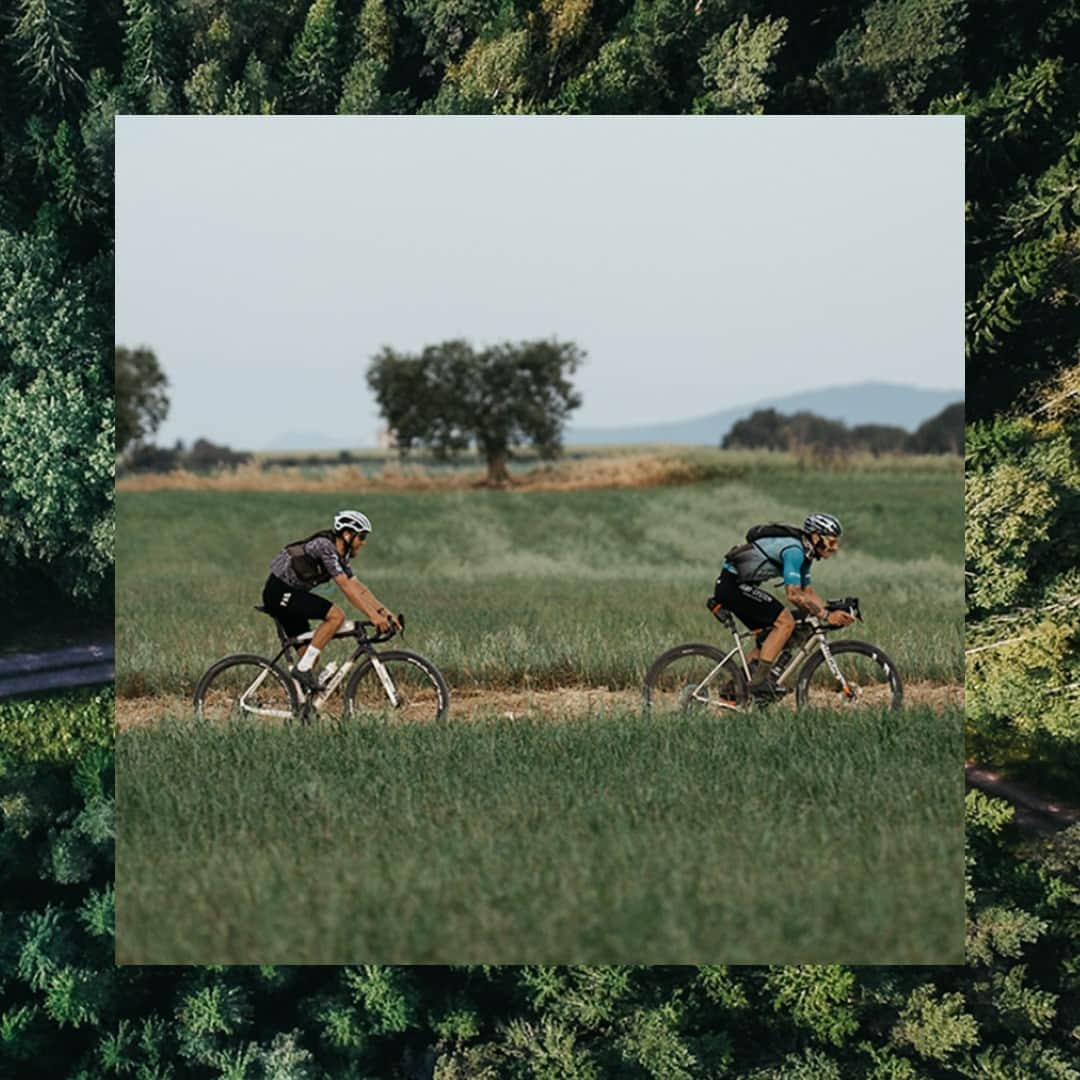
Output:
x=749 y=565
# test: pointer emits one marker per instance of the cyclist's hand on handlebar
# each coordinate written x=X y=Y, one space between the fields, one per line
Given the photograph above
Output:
x=382 y=620
x=840 y=618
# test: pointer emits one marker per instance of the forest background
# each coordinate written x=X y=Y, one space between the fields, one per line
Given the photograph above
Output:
x=67 y=67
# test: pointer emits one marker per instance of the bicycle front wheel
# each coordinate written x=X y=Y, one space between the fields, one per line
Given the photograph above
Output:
x=864 y=678
x=397 y=685
x=246 y=687
x=695 y=679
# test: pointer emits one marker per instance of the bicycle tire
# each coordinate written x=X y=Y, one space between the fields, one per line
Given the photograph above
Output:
x=665 y=687
x=879 y=662
x=214 y=696
x=427 y=701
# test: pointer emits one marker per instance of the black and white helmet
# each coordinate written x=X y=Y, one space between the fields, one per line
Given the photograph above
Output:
x=823 y=525
x=351 y=519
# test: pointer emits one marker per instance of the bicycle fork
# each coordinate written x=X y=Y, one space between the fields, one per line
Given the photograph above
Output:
x=387 y=682
x=837 y=674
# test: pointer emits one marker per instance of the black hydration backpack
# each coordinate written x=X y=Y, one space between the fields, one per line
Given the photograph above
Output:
x=749 y=558
x=310 y=571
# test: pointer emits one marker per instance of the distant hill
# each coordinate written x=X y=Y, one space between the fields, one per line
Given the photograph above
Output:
x=862 y=403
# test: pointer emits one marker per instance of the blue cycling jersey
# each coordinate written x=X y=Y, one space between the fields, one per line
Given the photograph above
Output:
x=761 y=561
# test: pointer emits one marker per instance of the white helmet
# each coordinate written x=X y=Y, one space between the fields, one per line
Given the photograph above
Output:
x=823 y=525
x=351 y=519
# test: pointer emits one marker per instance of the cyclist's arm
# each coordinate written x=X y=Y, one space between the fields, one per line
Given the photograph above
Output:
x=808 y=600
x=797 y=582
x=361 y=597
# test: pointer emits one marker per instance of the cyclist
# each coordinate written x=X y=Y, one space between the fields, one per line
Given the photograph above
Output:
x=746 y=566
x=302 y=565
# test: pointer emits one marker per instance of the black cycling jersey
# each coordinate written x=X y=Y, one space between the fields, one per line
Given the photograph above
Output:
x=305 y=564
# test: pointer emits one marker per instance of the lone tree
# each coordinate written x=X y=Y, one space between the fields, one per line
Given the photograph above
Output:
x=451 y=396
x=141 y=401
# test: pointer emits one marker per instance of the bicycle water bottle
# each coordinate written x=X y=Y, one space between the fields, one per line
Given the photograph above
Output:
x=327 y=674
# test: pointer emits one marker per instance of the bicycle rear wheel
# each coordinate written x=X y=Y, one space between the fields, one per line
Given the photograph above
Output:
x=695 y=679
x=869 y=679
x=246 y=687
x=397 y=685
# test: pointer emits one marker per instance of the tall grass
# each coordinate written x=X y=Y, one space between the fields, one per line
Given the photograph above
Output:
x=612 y=838
x=540 y=589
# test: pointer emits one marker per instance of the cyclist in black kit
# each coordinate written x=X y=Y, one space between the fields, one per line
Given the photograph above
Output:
x=302 y=565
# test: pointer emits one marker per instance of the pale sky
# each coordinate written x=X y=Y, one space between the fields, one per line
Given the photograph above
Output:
x=701 y=262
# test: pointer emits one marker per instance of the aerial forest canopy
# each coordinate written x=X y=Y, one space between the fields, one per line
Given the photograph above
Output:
x=1023 y=578
x=67 y=67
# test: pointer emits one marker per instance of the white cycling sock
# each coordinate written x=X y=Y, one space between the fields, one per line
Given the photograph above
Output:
x=307 y=661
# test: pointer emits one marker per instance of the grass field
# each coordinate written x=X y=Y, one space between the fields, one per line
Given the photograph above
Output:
x=539 y=589
x=608 y=838
x=575 y=831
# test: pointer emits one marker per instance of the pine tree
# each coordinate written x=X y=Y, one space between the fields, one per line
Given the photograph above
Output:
x=45 y=36
x=739 y=65
x=150 y=54
x=905 y=54
x=314 y=67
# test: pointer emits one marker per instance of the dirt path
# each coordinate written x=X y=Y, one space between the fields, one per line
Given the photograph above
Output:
x=1034 y=811
x=468 y=704
x=77 y=665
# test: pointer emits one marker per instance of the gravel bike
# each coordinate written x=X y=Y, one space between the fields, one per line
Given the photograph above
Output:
x=391 y=684
x=846 y=673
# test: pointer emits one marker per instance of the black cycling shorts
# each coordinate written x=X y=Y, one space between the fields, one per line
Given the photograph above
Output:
x=293 y=608
x=755 y=607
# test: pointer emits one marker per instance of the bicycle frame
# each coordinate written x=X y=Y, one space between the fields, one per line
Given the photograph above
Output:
x=365 y=647
x=814 y=643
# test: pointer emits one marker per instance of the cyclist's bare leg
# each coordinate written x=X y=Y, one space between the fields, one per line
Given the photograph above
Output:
x=777 y=639
x=333 y=622
x=335 y=619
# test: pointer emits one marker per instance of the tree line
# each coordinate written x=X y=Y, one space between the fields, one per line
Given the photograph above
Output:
x=767 y=429
x=449 y=398
x=452 y=397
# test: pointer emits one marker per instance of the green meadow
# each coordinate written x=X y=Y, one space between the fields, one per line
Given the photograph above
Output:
x=539 y=589
x=604 y=838
x=581 y=833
